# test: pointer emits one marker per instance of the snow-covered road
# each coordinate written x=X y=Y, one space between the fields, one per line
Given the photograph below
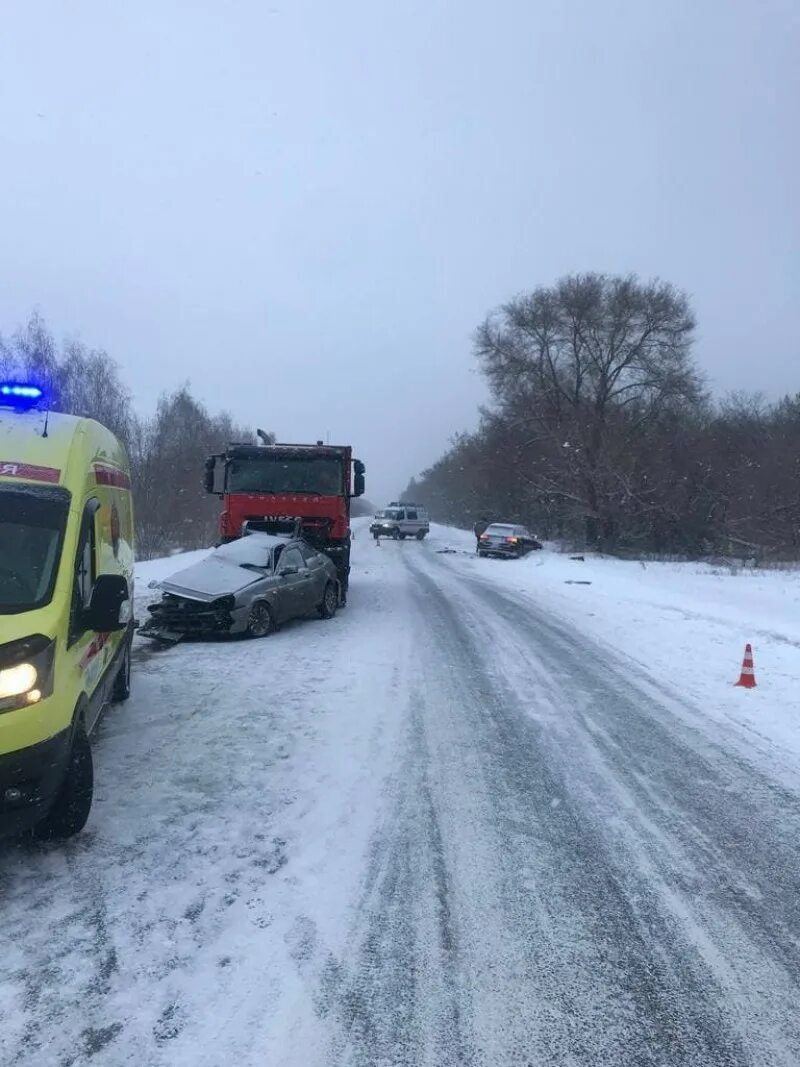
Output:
x=446 y=828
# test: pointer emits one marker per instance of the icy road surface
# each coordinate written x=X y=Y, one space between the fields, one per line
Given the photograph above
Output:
x=443 y=829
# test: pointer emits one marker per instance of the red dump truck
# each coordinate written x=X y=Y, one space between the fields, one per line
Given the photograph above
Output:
x=266 y=487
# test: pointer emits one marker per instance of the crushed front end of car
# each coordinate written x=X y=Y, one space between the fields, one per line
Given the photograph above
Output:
x=175 y=617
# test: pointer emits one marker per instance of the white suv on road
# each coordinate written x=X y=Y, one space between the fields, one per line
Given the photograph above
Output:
x=401 y=520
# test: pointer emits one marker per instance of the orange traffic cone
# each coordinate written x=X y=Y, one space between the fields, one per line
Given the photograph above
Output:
x=747 y=679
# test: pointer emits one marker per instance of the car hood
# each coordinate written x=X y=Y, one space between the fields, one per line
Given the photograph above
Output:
x=211 y=578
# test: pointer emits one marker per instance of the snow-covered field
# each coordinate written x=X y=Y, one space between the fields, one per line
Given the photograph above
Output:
x=482 y=818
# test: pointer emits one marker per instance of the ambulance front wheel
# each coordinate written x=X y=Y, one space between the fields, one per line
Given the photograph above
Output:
x=73 y=801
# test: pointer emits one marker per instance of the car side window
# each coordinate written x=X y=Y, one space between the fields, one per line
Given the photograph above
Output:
x=85 y=571
x=411 y=515
x=291 y=558
x=310 y=555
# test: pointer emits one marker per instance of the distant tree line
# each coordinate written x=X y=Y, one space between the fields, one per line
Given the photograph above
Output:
x=600 y=432
x=167 y=451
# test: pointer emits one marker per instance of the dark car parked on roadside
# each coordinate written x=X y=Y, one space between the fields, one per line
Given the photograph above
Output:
x=507 y=539
x=249 y=587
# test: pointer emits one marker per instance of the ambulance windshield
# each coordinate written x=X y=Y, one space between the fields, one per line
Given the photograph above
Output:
x=32 y=523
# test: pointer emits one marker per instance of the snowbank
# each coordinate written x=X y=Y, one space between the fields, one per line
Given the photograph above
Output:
x=682 y=624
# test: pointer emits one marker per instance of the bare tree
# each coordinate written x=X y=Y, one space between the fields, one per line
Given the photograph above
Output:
x=581 y=368
x=168 y=454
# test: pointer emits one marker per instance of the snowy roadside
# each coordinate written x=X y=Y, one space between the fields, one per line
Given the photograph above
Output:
x=236 y=796
x=682 y=624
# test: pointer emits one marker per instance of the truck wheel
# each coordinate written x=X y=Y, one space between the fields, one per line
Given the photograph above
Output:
x=261 y=622
x=73 y=801
x=421 y=535
x=330 y=602
x=122 y=683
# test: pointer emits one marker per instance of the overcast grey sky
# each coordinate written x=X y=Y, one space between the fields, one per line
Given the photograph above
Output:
x=306 y=206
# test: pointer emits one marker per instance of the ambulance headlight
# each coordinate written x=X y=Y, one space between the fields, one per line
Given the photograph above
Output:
x=26 y=672
x=14 y=681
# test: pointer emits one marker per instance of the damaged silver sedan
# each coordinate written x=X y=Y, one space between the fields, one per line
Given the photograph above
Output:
x=247 y=587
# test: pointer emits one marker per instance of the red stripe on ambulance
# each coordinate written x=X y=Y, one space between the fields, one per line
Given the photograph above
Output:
x=29 y=472
x=94 y=649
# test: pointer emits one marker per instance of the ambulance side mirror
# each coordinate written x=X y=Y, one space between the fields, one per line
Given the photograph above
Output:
x=109 y=608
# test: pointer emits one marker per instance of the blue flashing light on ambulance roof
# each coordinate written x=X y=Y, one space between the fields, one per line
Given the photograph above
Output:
x=19 y=394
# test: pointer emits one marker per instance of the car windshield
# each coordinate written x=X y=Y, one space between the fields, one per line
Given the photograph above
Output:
x=32 y=524
x=389 y=513
x=251 y=551
x=286 y=474
x=500 y=528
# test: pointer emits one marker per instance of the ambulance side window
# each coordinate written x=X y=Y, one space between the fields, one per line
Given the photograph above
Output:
x=85 y=571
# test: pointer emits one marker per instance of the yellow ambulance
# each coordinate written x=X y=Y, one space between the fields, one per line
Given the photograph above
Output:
x=66 y=597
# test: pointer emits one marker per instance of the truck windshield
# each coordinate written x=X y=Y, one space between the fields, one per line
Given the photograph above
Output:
x=32 y=524
x=286 y=474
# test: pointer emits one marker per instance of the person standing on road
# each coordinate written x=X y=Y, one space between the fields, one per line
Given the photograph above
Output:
x=478 y=529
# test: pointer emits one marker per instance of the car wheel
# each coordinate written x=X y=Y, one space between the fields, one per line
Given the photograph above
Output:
x=261 y=622
x=396 y=535
x=421 y=535
x=73 y=802
x=483 y=555
x=330 y=601
x=377 y=536
x=122 y=683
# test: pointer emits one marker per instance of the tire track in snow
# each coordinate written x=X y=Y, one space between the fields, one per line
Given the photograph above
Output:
x=737 y=826
x=398 y=1001
x=687 y=987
